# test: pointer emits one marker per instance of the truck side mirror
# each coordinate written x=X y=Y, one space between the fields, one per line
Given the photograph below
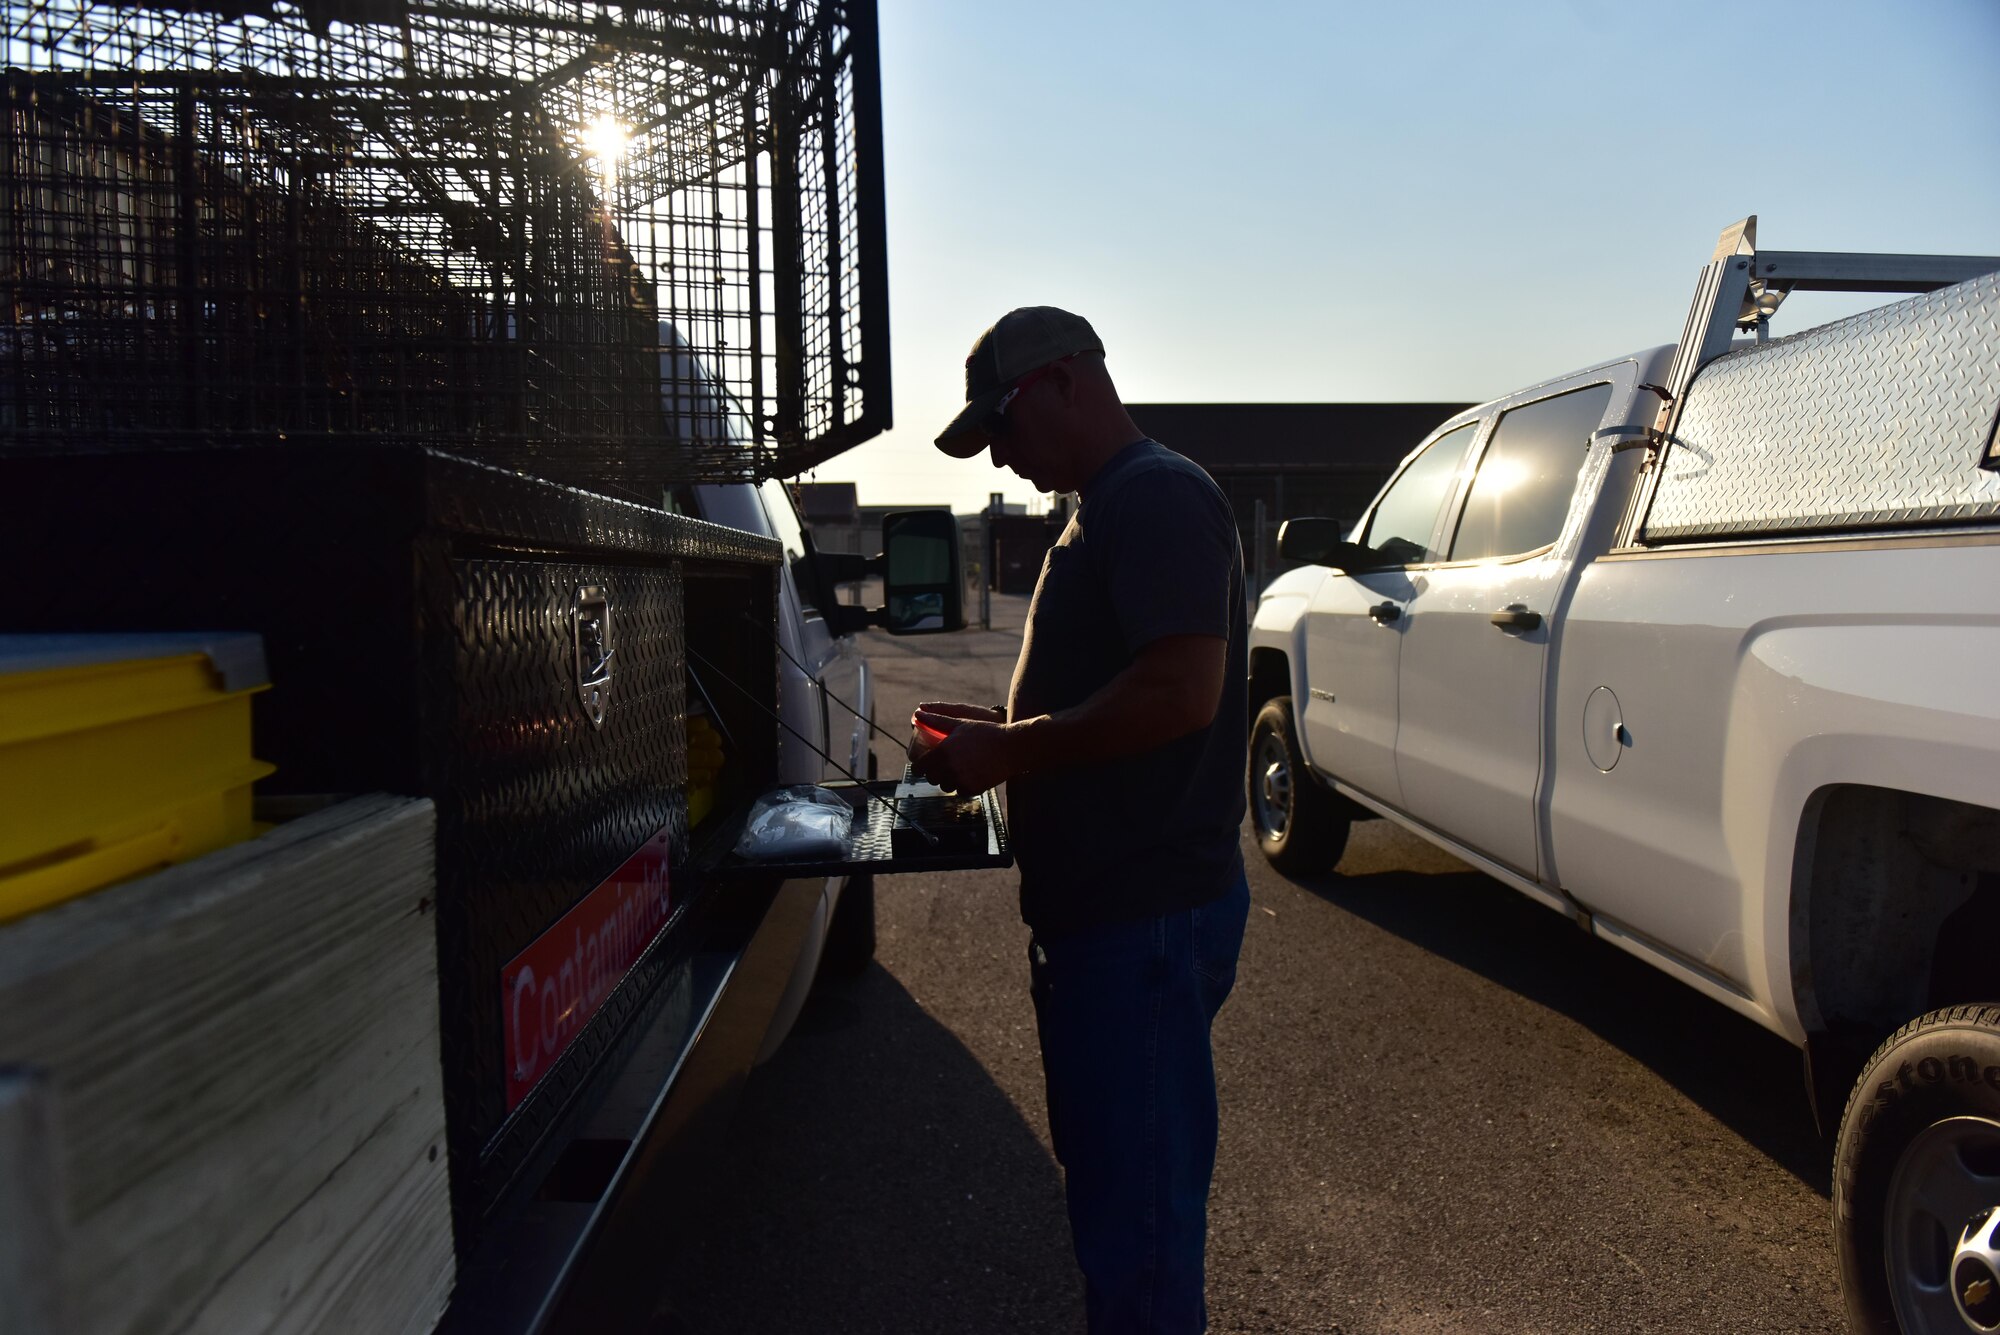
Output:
x=1321 y=542
x=923 y=587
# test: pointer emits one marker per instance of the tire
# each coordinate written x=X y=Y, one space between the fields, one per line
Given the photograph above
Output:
x=850 y=937
x=1918 y=1157
x=1301 y=824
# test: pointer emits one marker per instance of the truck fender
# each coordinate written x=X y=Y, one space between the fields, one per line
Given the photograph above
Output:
x=1278 y=628
x=1849 y=714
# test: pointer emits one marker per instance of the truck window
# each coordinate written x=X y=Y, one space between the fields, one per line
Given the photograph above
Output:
x=791 y=535
x=1407 y=514
x=1523 y=487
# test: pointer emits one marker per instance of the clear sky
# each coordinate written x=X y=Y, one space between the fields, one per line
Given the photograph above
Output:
x=1273 y=202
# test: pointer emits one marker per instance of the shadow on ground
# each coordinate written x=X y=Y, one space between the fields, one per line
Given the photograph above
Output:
x=1746 y=1077
x=929 y=1203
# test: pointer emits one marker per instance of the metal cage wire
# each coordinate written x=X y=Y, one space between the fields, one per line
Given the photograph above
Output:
x=616 y=245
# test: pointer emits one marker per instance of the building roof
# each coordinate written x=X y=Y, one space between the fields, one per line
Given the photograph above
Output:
x=872 y=514
x=1292 y=437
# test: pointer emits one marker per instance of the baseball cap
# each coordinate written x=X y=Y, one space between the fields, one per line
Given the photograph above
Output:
x=1020 y=341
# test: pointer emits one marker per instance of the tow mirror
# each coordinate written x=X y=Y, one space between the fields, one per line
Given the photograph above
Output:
x=923 y=590
x=1321 y=542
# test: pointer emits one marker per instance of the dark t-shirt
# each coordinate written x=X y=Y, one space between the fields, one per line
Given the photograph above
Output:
x=1152 y=551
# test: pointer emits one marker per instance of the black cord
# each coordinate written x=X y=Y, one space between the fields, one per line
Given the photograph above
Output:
x=810 y=676
x=714 y=714
x=894 y=810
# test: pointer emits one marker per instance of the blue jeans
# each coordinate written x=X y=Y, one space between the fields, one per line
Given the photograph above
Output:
x=1124 y=1013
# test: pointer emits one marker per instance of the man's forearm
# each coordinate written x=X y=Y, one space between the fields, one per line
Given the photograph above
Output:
x=1159 y=698
x=1171 y=689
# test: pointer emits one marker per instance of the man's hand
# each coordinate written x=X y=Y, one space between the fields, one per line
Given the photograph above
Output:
x=944 y=715
x=976 y=754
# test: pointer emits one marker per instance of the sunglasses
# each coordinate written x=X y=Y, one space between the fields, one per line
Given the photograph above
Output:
x=995 y=423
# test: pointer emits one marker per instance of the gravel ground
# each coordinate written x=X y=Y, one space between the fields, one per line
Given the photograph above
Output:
x=1443 y=1109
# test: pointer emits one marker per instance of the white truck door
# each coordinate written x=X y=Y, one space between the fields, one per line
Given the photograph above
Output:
x=1475 y=651
x=1354 y=626
x=803 y=632
x=836 y=663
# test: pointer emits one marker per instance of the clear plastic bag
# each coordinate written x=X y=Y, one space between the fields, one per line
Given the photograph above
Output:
x=797 y=822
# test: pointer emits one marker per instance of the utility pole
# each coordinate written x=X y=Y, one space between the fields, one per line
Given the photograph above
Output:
x=994 y=502
x=1257 y=560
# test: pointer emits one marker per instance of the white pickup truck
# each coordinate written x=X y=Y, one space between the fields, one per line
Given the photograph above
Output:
x=1701 y=649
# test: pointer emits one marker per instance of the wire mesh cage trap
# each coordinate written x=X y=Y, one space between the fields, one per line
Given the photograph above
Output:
x=613 y=244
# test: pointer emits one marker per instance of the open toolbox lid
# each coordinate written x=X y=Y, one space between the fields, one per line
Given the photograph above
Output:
x=964 y=836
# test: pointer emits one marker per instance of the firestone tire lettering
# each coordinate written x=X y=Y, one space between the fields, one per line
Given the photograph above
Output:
x=1941 y=1065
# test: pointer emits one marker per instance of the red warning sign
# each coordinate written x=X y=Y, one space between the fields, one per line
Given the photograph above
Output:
x=551 y=989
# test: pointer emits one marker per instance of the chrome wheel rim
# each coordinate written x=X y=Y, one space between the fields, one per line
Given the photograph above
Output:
x=1949 y=1175
x=1271 y=787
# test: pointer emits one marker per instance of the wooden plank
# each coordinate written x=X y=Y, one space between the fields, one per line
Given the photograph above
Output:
x=245 y=1051
x=30 y=1213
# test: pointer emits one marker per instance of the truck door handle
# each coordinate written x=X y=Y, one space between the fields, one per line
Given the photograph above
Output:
x=1516 y=617
x=1384 y=613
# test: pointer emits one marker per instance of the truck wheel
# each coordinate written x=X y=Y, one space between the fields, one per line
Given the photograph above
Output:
x=850 y=937
x=1918 y=1161
x=1301 y=824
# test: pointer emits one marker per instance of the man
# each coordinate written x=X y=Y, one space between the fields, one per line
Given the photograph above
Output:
x=1123 y=746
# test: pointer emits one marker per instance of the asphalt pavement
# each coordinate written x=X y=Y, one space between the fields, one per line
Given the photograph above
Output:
x=1443 y=1109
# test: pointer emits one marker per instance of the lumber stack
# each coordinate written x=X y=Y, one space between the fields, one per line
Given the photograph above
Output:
x=221 y=1107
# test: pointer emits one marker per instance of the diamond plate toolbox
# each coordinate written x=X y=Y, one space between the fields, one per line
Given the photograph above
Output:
x=512 y=649
x=1883 y=419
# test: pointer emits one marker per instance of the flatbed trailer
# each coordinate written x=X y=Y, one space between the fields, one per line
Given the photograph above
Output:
x=395 y=333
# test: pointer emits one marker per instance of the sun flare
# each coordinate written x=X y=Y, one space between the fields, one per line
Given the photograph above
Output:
x=607 y=141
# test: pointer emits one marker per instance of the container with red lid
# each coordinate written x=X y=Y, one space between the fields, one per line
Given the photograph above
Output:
x=923 y=736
